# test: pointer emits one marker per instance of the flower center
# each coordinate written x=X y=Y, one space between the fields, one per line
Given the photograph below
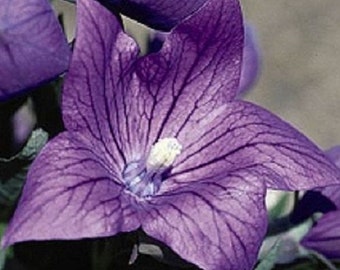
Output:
x=163 y=154
x=144 y=177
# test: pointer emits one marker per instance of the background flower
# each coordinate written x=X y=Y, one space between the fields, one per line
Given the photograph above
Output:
x=158 y=14
x=251 y=63
x=33 y=48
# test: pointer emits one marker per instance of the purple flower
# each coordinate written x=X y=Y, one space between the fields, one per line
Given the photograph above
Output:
x=250 y=62
x=33 y=48
x=324 y=236
x=157 y=142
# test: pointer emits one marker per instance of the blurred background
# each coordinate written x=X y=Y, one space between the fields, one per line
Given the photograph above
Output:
x=300 y=80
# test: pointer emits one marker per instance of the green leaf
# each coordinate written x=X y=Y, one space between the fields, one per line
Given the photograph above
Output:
x=14 y=169
x=2 y=251
x=35 y=143
x=281 y=206
x=321 y=258
x=2 y=259
x=268 y=262
x=306 y=264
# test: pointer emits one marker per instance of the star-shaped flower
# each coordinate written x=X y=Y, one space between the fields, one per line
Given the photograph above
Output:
x=157 y=142
x=33 y=48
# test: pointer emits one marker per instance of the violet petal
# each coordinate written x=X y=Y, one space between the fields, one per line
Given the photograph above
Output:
x=94 y=89
x=333 y=192
x=196 y=70
x=334 y=154
x=216 y=224
x=33 y=48
x=251 y=65
x=243 y=136
x=322 y=199
x=70 y=193
x=198 y=66
x=324 y=237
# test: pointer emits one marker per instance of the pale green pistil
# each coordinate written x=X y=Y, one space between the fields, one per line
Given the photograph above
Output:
x=143 y=178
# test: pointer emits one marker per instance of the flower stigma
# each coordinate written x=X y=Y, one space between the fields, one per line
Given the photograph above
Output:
x=163 y=154
x=143 y=178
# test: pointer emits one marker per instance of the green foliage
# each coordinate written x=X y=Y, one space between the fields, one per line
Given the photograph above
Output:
x=268 y=262
x=281 y=206
x=13 y=172
x=2 y=259
x=3 y=252
x=306 y=264
x=14 y=169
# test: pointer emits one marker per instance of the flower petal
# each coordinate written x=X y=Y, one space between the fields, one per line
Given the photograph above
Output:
x=70 y=193
x=322 y=199
x=333 y=192
x=127 y=102
x=33 y=48
x=197 y=69
x=158 y=14
x=243 y=136
x=334 y=154
x=214 y=224
x=324 y=237
x=250 y=60
x=100 y=67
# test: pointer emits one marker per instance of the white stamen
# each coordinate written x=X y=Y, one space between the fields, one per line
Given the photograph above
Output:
x=163 y=154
